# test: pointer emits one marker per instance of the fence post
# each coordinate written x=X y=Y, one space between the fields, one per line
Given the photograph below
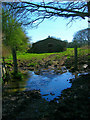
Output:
x=3 y=67
x=14 y=60
x=75 y=57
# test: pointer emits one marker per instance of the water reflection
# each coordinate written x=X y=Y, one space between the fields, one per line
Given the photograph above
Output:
x=50 y=85
x=16 y=85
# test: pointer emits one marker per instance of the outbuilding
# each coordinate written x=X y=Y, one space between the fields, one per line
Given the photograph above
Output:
x=48 y=45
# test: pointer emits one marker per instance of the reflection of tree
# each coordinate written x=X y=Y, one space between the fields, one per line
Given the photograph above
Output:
x=17 y=85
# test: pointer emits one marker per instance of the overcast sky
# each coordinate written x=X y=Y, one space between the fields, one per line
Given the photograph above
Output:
x=57 y=28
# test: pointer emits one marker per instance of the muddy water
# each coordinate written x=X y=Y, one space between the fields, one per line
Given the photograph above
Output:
x=49 y=83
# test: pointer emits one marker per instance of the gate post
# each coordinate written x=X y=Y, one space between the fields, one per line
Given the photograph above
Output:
x=75 y=57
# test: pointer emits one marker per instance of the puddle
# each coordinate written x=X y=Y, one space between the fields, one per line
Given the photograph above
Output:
x=50 y=85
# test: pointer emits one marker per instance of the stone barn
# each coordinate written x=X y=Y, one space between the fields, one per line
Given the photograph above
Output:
x=48 y=45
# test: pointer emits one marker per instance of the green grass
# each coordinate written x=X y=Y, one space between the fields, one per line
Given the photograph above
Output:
x=31 y=56
x=28 y=56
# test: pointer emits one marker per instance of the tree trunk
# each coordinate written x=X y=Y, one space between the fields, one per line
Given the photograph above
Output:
x=14 y=60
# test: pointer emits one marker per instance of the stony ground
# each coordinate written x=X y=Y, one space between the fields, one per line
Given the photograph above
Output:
x=72 y=104
x=52 y=62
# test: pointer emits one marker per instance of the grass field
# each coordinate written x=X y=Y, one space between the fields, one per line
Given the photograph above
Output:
x=31 y=56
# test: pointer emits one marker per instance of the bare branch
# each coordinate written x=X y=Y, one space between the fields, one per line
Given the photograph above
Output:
x=29 y=12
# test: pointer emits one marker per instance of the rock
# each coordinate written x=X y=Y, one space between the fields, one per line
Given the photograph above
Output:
x=55 y=66
x=21 y=65
x=31 y=68
x=38 y=72
x=45 y=94
x=52 y=93
x=31 y=65
x=72 y=69
x=85 y=66
x=57 y=71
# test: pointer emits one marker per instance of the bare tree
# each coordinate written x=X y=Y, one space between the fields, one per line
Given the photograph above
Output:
x=33 y=13
x=82 y=37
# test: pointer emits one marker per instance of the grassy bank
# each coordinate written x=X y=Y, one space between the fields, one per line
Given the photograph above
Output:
x=69 y=52
x=32 y=61
x=28 y=56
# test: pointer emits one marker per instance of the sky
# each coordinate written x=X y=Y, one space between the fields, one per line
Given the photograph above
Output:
x=57 y=28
